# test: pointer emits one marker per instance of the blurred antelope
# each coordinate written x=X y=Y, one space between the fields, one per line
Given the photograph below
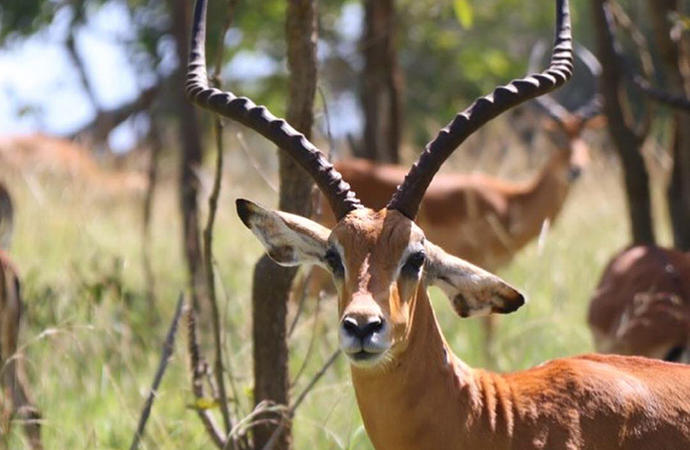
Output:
x=51 y=155
x=412 y=392
x=482 y=219
x=16 y=401
x=642 y=304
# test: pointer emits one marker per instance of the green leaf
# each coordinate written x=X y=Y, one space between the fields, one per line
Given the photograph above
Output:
x=464 y=13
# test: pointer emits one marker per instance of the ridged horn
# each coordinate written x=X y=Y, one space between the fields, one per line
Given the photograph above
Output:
x=240 y=109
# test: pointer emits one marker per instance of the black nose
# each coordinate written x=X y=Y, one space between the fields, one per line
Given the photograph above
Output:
x=362 y=328
x=574 y=172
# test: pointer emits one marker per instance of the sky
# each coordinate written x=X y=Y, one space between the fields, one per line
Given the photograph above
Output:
x=40 y=90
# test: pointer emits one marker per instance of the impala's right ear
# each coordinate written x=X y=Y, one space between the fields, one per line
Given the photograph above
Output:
x=289 y=240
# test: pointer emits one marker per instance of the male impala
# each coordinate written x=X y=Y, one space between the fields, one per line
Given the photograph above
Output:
x=413 y=393
x=642 y=304
x=16 y=399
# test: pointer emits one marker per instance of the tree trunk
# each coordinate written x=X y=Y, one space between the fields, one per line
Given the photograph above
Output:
x=381 y=83
x=272 y=283
x=190 y=137
x=677 y=68
x=627 y=142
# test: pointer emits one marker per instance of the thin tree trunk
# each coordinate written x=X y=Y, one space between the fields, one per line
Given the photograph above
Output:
x=381 y=83
x=627 y=142
x=272 y=283
x=190 y=137
x=678 y=77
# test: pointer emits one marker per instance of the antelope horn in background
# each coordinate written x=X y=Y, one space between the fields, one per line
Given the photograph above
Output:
x=553 y=107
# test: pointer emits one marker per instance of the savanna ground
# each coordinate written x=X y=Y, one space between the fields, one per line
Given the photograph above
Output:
x=92 y=343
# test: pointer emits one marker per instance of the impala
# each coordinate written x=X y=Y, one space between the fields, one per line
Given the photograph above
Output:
x=52 y=155
x=16 y=399
x=642 y=304
x=412 y=392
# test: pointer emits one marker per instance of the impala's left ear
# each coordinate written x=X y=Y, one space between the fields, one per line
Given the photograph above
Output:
x=289 y=240
x=471 y=290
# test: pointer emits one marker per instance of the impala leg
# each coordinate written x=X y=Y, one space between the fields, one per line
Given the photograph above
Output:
x=17 y=402
x=22 y=406
x=489 y=331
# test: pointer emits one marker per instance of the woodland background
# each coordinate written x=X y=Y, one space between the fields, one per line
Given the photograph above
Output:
x=105 y=248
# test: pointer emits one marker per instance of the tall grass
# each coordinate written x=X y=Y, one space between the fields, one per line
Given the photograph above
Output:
x=91 y=342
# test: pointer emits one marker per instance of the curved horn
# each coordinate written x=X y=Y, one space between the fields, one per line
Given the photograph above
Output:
x=6 y=218
x=258 y=118
x=410 y=193
x=594 y=105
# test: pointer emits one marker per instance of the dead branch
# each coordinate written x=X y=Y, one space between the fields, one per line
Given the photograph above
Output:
x=168 y=348
x=198 y=367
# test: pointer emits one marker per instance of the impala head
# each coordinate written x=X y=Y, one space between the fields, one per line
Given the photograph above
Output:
x=380 y=260
x=563 y=127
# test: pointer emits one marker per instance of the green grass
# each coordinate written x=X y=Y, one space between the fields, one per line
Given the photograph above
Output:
x=92 y=343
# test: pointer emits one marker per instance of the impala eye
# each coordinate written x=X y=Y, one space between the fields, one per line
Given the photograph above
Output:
x=333 y=260
x=414 y=263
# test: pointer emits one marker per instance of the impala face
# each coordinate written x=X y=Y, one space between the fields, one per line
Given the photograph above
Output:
x=380 y=262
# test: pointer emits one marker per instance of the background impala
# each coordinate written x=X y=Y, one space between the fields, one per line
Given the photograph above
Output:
x=642 y=304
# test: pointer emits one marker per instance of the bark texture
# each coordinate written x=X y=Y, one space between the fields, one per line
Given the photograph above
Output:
x=381 y=83
x=190 y=161
x=677 y=69
x=272 y=283
x=627 y=141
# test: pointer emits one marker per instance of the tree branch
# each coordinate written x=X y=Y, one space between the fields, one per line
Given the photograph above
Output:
x=168 y=348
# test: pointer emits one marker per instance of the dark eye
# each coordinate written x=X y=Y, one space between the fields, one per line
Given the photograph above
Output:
x=414 y=263
x=333 y=260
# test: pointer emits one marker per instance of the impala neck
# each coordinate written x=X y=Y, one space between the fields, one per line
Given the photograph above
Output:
x=421 y=393
x=542 y=199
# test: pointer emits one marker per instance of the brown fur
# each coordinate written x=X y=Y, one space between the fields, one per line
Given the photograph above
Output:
x=642 y=303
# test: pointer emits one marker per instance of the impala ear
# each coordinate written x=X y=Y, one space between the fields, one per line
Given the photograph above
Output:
x=289 y=240
x=472 y=291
